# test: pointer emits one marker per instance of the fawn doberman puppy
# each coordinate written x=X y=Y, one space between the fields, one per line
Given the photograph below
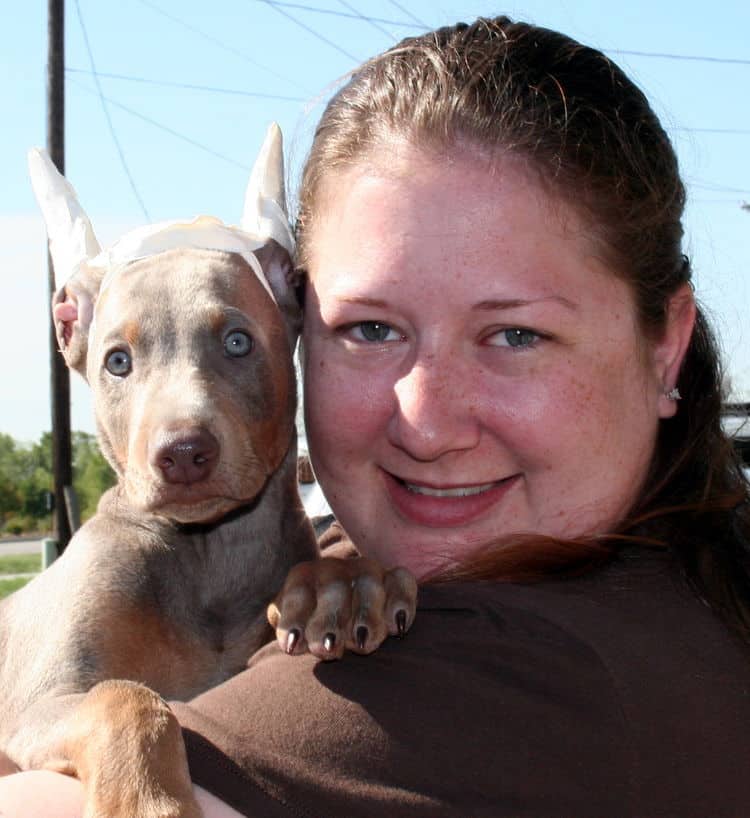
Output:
x=185 y=333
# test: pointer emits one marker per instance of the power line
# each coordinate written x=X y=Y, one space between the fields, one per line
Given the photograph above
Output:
x=355 y=15
x=220 y=44
x=727 y=202
x=714 y=188
x=371 y=21
x=312 y=31
x=215 y=89
x=744 y=131
x=279 y=5
x=421 y=24
x=691 y=57
x=332 y=12
x=698 y=184
x=166 y=128
x=189 y=86
x=103 y=101
x=416 y=21
x=409 y=14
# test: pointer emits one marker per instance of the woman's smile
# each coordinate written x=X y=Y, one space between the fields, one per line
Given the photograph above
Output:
x=442 y=505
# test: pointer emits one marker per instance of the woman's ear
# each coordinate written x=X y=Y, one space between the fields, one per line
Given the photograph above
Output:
x=670 y=350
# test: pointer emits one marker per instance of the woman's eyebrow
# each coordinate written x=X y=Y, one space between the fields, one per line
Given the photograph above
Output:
x=363 y=300
x=513 y=303
x=486 y=305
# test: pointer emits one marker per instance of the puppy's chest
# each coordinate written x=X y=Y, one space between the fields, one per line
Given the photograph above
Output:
x=230 y=629
x=221 y=634
x=182 y=649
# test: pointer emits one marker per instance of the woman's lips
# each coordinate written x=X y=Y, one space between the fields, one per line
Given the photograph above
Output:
x=444 y=506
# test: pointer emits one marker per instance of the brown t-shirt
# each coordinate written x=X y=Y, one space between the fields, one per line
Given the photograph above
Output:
x=615 y=694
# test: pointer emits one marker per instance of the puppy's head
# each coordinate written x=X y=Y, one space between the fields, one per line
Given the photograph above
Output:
x=185 y=333
x=190 y=362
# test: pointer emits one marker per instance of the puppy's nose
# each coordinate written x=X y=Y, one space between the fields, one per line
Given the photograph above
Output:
x=187 y=456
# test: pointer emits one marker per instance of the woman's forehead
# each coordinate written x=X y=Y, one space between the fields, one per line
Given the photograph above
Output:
x=459 y=237
x=415 y=200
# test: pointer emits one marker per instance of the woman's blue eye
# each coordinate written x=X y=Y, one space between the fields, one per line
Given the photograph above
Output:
x=520 y=337
x=118 y=363
x=374 y=332
x=238 y=344
x=516 y=338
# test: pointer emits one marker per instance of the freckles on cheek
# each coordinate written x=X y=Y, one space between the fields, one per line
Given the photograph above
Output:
x=556 y=420
x=328 y=403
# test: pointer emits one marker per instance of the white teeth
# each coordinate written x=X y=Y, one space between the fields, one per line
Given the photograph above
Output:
x=463 y=491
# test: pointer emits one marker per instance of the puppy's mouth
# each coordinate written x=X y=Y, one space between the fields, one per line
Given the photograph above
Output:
x=200 y=502
x=188 y=496
x=196 y=510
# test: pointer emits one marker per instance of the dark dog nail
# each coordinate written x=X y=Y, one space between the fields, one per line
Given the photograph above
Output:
x=361 y=637
x=401 y=622
x=329 y=640
x=291 y=640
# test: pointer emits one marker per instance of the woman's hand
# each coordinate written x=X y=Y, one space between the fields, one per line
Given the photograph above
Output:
x=330 y=604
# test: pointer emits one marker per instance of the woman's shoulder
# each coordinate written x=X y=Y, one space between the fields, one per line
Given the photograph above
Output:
x=633 y=634
x=553 y=699
x=634 y=615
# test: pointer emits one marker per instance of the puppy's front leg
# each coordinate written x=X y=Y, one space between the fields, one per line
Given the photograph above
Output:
x=124 y=744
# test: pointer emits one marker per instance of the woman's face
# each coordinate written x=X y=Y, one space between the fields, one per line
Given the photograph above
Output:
x=472 y=367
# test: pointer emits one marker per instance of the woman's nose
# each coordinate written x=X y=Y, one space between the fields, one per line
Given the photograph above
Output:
x=434 y=412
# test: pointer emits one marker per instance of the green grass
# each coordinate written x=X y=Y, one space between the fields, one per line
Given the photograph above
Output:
x=7 y=586
x=20 y=564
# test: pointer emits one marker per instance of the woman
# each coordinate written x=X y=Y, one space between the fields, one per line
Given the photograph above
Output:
x=511 y=391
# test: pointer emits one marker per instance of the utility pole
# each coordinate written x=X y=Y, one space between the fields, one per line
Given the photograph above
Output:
x=62 y=466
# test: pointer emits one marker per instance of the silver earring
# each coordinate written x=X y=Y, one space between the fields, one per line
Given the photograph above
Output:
x=673 y=394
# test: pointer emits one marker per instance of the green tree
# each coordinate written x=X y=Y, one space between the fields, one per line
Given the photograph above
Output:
x=10 y=500
x=92 y=474
x=26 y=479
x=26 y=472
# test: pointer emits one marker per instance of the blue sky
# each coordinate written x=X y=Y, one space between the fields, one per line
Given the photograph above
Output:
x=187 y=150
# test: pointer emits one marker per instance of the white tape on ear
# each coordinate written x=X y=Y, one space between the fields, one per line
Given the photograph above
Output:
x=264 y=213
x=203 y=233
x=71 y=236
x=72 y=239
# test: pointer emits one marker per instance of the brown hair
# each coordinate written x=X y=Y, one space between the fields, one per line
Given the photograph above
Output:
x=590 y=134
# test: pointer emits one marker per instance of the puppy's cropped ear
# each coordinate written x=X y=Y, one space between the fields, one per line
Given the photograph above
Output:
x=264 y=216
x=73 y=312
x=285 y=282
x=264 y=213
x=72 y=245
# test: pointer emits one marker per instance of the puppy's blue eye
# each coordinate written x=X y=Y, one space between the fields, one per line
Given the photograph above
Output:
x=118 y=363
x=237 y=344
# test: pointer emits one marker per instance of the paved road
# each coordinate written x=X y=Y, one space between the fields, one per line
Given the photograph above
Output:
x=20 y=546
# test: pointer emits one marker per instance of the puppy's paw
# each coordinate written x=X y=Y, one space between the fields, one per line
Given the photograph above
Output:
x=330 y=605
